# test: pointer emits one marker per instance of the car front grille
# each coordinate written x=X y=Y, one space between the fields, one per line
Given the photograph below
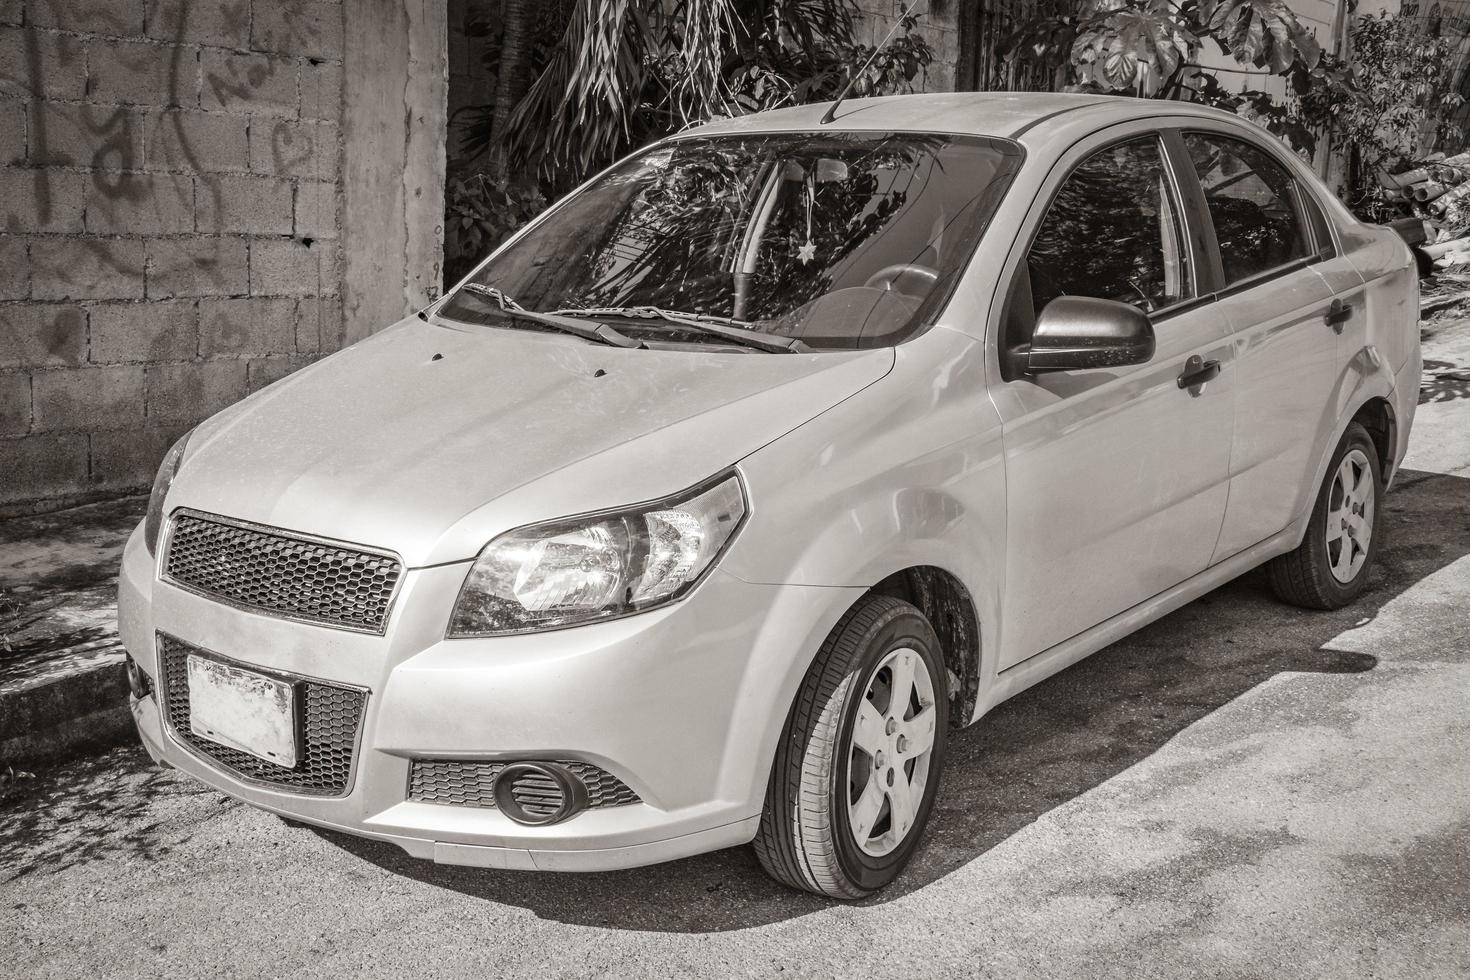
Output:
x=331 y=717
x=457 y=783
x=282 y=574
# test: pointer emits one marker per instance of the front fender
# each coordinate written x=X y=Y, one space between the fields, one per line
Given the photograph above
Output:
x=909 y=472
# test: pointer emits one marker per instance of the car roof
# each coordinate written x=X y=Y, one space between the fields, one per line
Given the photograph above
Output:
x=1008 y=115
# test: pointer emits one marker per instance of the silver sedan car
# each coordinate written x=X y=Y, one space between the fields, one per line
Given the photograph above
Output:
x=708 y=507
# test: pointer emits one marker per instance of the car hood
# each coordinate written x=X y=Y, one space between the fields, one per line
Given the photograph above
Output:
x=430 y=438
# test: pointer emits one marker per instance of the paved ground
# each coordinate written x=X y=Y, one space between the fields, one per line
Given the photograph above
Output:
x=1241 y=790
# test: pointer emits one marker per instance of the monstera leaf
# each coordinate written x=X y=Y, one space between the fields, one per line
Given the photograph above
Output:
x=1264 y=33
x=1132 y=48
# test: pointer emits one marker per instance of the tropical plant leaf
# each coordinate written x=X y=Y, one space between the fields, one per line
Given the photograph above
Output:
x=1132 y=48
x=1264 y=33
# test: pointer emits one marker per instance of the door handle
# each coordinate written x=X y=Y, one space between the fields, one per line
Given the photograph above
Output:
x=1337 y=314
x=1197 y=371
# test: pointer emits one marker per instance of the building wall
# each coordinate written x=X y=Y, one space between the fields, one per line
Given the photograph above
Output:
x=939 y=26
x=172 y=205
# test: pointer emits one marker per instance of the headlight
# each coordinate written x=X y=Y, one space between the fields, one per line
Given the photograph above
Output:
x=600 y=566
x=153 y=523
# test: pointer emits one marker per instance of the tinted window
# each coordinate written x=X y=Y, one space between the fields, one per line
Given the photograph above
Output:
x=1113 y=232
x=840 y=239
x=1251 y=203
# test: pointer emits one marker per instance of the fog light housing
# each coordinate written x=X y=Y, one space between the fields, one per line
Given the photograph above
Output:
x=539 y=794
x=139 y=683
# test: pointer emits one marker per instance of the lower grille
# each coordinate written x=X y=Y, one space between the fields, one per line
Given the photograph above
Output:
x=330 y=718
x=457 y=783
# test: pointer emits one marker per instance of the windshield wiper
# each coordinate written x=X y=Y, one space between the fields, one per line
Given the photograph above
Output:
x=715 y=326
x=586 y=329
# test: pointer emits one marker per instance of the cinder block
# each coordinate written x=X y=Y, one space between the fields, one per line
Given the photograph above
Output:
x=321 y=91
x=196 y=267
x=141 y=73
x=193 y=390
x=12 y=11
x=268 y=370
x=257 y=205
x=15 y=268
x=318 y=324
x=295 y=148
x=254 y=83
x=120 y=18
x=59 y=70
x=81 y=135
x=126 y=332
x=86 y=268
x=251 y=326
x=316 y=209
x=225 y=23
x=293 y=268
x=298 y=27
x=196 y=142
x=141 y=204
x=938 y=77
x=88 y=399
x=41 y=201
x=42 y=335
x=15 y=404
x=12 y=133
x=128 y=459
x=44 y=465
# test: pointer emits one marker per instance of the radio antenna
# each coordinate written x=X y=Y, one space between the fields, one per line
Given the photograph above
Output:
x=832 y=109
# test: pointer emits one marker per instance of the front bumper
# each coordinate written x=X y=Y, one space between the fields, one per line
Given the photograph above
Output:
x=683 y=704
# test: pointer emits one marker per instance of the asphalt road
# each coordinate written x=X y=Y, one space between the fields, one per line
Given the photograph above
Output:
x=1240 y=790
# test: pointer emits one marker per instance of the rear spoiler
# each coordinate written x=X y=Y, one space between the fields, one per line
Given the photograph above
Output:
x=1416 y=233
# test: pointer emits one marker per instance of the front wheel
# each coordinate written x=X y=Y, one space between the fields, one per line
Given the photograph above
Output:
x=858 y=765
x=1329 y=569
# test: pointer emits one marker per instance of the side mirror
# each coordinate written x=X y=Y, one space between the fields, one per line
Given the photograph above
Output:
x=1077 y=333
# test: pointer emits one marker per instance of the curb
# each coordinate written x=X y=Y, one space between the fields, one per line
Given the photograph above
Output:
x=79 y=705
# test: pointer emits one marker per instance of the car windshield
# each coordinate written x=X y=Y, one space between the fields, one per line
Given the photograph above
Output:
x=838 y=240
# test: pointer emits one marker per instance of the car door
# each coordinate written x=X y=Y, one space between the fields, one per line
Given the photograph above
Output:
x=1115 y=478
x=1285 y=351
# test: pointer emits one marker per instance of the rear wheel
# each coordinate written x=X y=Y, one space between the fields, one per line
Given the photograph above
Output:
x=1329 y=569
x=858 y=765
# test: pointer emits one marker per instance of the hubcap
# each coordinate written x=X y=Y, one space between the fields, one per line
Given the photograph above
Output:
x=1350 y=516
x=888 y=761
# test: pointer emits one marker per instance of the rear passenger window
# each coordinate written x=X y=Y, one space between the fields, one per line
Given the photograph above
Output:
x=1252 y=204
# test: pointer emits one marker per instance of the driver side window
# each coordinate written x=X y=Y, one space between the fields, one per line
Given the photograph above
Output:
x=1113 y=232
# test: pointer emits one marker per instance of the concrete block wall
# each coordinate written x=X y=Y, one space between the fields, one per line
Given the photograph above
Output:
x=173 y=195
x=169 y=217
x=938 y=24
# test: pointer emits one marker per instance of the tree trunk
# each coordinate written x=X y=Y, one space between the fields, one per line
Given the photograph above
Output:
x=514 y=76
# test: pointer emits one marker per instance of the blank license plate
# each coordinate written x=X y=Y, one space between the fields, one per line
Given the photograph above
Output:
x=243 y=710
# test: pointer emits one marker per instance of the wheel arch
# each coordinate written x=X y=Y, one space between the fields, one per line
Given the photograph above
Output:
x=1377 y=416
x=951 y=611
x=1366 y=392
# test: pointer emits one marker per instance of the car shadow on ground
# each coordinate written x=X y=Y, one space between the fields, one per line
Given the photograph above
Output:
x=1032 y=754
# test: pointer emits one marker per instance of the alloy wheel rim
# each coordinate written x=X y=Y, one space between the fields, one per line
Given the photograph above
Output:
x=1350 y=516
x=889 y=753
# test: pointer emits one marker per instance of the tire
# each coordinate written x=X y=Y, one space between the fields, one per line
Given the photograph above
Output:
x=1316 y=575
x=821 y=781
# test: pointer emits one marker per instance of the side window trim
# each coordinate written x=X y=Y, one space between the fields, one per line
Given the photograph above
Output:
x=1317 y=222
x=1209 y=270
x=1287 y=268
